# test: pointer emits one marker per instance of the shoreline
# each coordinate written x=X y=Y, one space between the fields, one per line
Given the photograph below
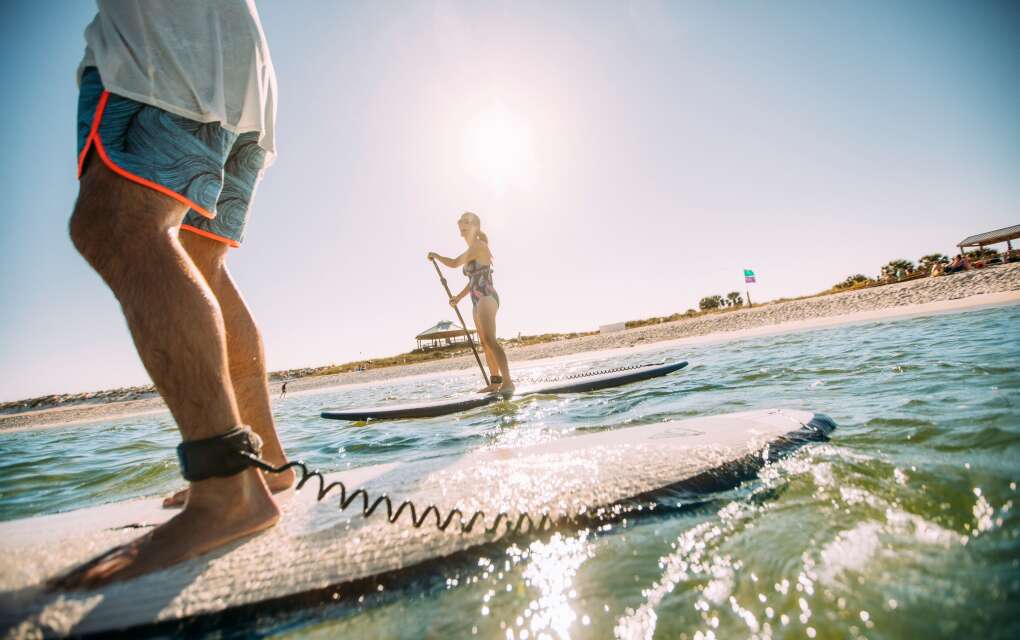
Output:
x=929 y=296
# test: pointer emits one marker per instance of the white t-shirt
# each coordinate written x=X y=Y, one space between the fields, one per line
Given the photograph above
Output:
x=206 y=60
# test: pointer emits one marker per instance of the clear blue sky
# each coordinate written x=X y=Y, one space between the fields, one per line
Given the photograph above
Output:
x=626 y=159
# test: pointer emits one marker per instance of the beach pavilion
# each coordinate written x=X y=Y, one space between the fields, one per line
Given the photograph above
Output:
x=443 y=334
x=981 y=240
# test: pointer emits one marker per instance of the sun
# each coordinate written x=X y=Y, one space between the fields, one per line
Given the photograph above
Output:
x=497 y=149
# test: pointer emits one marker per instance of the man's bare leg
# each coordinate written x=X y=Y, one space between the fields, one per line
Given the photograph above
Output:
x=128 y=234
x=245 y=354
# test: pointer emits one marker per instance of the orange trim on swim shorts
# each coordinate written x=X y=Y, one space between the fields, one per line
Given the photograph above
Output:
x=97 y=117
x=212 y=236
x=94 y=138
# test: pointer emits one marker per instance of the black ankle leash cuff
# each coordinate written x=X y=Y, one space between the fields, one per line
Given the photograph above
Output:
x=495 y=379
x=219 y=456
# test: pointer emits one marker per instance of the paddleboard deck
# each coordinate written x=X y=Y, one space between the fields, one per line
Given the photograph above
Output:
x=319 y=552
x=574 y=384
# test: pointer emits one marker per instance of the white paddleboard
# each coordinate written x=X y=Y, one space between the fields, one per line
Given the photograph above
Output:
x=318 y=549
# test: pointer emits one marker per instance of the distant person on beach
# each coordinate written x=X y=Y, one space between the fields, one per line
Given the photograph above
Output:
x=176 y=110
x=283 y=390
x=477 y=263
x=959 y=263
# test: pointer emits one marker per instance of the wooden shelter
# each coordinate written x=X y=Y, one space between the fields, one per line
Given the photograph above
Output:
x=981 y=240
x=443 y=334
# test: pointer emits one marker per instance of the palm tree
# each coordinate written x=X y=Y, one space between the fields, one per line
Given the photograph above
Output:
x=710 y=302
x=897 y=269
x=925 y=264
x=851 y=281
x=736 y=300
x=981 y=253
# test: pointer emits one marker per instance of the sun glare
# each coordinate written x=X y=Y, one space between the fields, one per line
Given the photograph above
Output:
x=497 y=150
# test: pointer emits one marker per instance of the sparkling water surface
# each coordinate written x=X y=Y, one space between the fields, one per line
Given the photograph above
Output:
x=903 y=525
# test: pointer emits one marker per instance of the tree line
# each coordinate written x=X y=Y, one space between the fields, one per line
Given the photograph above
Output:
x=732 y=299
x=901 y=269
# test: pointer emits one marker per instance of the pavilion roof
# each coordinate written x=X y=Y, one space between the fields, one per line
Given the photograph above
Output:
x=442 y=329
x=991 y=237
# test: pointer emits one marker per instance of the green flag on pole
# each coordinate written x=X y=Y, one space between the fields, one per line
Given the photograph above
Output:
x=748 y=272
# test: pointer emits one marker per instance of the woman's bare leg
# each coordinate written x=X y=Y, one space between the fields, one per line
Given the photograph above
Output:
x=490 y=359
x=486 y=323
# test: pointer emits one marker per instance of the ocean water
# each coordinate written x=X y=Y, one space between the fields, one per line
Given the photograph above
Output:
x=903 y=525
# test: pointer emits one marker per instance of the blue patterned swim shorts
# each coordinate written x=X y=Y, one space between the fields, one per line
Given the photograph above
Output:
x=201 y=165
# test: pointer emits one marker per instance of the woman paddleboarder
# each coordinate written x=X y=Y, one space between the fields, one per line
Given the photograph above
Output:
x=477 y=263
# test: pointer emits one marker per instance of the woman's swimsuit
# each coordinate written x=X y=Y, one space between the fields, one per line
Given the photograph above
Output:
x=480 y=281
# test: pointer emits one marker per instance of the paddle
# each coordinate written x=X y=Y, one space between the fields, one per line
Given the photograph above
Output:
x=462 y=323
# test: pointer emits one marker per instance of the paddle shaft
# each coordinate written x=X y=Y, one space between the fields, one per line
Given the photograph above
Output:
x=462 y=323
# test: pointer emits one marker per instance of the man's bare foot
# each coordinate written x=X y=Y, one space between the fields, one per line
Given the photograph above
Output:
x=276 y=482
x=490 y=388
x=506 y=389
x=220 y=510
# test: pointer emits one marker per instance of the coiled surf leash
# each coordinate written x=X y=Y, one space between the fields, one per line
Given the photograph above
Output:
x=677 y=497
x=240 y=448
x=523 y=524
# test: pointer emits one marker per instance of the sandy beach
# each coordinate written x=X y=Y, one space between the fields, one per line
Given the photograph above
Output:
x=969 y=290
